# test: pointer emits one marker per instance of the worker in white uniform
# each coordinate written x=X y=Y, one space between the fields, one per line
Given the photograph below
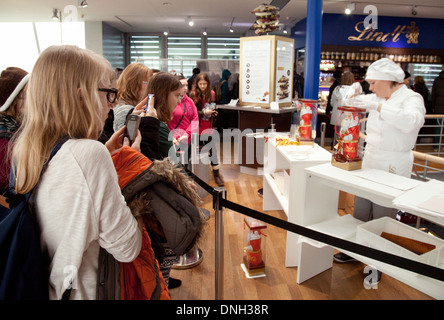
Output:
x=396 y=114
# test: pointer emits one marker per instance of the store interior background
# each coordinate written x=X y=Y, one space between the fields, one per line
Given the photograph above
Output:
x=157 y=33
x=116 y=29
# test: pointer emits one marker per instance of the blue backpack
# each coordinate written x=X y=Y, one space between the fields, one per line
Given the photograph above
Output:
x=24 y=270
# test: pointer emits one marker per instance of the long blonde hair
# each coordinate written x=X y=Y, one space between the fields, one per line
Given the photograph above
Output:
x=61 y=100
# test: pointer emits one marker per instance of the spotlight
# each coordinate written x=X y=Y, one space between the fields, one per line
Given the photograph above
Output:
x=82 y=4
x=231 y=25
x=414 y=12
x=204 y=32
x=190 y=22
x=55 y=14
x=165 y=33
x=285 y=30
x=350 y=8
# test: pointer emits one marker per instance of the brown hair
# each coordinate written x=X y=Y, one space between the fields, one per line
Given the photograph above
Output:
x=161 y=84
x=197 y=95
x=419 y=80
x=347 y=78
x=130 y=82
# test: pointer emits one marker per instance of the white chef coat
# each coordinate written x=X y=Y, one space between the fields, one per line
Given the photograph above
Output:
x=392 y=133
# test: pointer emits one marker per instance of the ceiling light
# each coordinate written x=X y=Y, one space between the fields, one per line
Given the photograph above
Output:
x=82 y=4
x=414 y=12
x=55 y=14
x=285 y=30
x=190 y=22
x=165 y=33
x=204 y=32
x=350 y=8
x=231 y=25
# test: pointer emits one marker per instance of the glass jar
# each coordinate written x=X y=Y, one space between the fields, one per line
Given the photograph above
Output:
x=254 y=248
x=348 y=144
x=307 y=119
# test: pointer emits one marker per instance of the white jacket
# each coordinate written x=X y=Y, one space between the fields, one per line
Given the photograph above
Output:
x=392 y=133
x=80 y=208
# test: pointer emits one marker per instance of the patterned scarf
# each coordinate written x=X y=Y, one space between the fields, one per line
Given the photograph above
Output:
x=8 y=126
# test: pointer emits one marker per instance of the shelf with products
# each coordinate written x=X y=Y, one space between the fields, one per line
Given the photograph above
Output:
x=375 y=53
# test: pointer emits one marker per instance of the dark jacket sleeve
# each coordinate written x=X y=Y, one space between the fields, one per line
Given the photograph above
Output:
x=149 y=129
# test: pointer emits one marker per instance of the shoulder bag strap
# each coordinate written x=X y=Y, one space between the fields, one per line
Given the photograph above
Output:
x=184 y=110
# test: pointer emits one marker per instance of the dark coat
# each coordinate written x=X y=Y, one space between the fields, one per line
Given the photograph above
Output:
x=438 y=94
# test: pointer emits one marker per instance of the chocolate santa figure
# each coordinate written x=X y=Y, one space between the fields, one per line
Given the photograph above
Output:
x=305 y=124
x=254 y=249
x=349 y=134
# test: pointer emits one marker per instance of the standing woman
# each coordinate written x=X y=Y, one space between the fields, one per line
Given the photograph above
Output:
x=131 y=87
x=202 y=96
x=12 y=100
x=185 y=119
x=396 y=114
x=167 y=91
x=339 y=94
x=77 y=201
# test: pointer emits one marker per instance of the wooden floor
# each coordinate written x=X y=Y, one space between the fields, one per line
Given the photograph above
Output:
x=342 y=281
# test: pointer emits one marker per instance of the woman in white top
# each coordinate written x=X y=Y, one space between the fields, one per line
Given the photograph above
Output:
x=77 y=200
x=396 y=114
x=339 y=94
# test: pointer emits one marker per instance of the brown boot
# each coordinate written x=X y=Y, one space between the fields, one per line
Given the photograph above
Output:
x=218 y=178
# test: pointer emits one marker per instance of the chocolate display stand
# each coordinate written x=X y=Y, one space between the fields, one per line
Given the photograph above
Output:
x=347 y=150
x=307 y=118
x=254 y=249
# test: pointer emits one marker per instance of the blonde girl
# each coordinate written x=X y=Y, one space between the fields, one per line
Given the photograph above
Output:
x=77 y=201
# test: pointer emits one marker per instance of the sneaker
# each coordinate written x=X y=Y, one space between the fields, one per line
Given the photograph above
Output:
x=343 y=258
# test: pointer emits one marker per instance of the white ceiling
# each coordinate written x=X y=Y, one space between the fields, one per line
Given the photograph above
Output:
x=154 y=16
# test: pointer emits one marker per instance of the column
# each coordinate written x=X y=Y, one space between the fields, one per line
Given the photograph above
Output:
x=313 y=49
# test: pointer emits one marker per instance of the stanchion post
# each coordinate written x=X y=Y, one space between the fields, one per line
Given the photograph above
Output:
x=219 y=193
x=323 y=126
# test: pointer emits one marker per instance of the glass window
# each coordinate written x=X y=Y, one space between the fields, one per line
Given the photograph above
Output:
x=183 y=54
x=146 y=48
x=223 y=48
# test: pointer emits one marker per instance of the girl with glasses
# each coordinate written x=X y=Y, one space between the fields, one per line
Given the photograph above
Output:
x=77 y=201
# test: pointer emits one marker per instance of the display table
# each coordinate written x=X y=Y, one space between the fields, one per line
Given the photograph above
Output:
x=255 y=119
x=323 y=184
x=284 y=183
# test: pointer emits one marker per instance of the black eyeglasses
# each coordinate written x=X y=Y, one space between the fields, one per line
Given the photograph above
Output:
x=111 y=94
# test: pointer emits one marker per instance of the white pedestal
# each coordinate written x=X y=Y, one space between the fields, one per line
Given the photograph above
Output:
x=291 y=201
x=323 y=183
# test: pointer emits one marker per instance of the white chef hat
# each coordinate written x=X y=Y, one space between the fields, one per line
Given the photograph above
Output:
x=385 y=69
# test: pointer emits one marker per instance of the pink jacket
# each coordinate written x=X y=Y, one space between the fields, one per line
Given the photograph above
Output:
x=190 y=121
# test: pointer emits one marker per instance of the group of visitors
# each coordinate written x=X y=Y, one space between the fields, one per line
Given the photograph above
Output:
x=80 y=201
x=73 y=94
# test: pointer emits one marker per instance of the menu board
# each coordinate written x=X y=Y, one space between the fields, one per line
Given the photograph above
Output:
x=284 y=67
x=256 y=71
